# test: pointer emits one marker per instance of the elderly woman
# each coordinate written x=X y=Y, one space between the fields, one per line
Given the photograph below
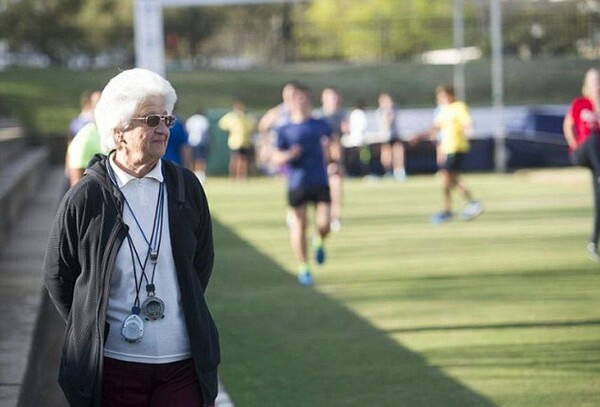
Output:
x=128 y=260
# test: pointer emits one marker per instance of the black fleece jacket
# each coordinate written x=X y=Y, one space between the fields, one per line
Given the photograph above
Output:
x=84 y=240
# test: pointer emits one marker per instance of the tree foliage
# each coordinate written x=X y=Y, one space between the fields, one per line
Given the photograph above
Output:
x=192 y=26
x=105 y=24
x=63 y=28
x=368 y=29
x=259 y=32
x=48 y=26
x=395 y=29
x=358 y=30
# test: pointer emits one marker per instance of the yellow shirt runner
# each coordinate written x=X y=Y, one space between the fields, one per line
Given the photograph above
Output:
x=453 y=120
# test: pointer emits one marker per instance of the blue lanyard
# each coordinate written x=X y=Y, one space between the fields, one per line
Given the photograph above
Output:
x=153 y=243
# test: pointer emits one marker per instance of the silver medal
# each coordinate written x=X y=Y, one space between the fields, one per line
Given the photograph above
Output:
x=132 y=329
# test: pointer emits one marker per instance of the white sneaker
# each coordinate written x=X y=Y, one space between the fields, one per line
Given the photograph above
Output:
x=399 y=174
x=335 y=225
x=473 y=209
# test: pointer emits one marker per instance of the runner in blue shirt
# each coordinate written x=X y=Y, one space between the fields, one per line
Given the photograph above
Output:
x=303 y=145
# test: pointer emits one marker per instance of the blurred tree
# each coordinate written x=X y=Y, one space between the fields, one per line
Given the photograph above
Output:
x=190 y=26
x=554 y=29
x=395 y=29
x=105 y=25
x=63 y=28
x=46 y=26
x=364 y=30
x=253 y=32
x=370 y=29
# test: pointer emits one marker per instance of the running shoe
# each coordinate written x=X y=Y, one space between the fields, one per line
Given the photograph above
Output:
x=473 y=209
x=319 y=249
x=305 y=279
x=320 y=255
x=400 y=174
x=335 y=225
x=441 y=217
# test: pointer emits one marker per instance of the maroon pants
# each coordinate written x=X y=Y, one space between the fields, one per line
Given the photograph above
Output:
x=127 y=384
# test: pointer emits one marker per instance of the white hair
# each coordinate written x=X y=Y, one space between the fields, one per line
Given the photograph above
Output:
x=122 y=97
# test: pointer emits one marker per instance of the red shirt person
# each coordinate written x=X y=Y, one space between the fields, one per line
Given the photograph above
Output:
x=581 y=128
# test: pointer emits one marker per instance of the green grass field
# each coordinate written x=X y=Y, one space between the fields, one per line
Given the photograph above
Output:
x=500 y=311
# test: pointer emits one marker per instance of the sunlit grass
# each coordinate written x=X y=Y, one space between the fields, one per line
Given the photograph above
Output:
x=500 y=311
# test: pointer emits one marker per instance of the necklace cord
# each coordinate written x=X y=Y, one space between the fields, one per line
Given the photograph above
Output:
x=153 y=244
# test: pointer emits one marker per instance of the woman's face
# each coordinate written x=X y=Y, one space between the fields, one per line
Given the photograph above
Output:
x=140 y=142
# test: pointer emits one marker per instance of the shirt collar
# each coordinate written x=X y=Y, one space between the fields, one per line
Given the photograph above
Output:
x=123 y=178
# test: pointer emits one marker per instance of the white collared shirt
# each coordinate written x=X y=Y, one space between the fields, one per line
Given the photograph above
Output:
x=164 y=340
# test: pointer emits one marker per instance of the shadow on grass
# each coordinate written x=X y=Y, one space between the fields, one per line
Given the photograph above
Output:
x=286 y=345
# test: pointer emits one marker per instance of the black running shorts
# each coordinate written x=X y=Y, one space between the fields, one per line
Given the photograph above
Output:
x=454 y=162
x=299 y=197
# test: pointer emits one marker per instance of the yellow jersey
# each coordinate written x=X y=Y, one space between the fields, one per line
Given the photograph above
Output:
x=240 y=128
x=452 y=121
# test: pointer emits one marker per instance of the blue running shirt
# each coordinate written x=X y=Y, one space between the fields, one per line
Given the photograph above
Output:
x=308 y=170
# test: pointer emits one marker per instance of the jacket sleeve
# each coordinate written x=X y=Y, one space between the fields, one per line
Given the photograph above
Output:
x=204 y=257
x=61 y=265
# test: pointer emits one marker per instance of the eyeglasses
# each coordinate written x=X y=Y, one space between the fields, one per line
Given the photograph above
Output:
x=153 y=120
